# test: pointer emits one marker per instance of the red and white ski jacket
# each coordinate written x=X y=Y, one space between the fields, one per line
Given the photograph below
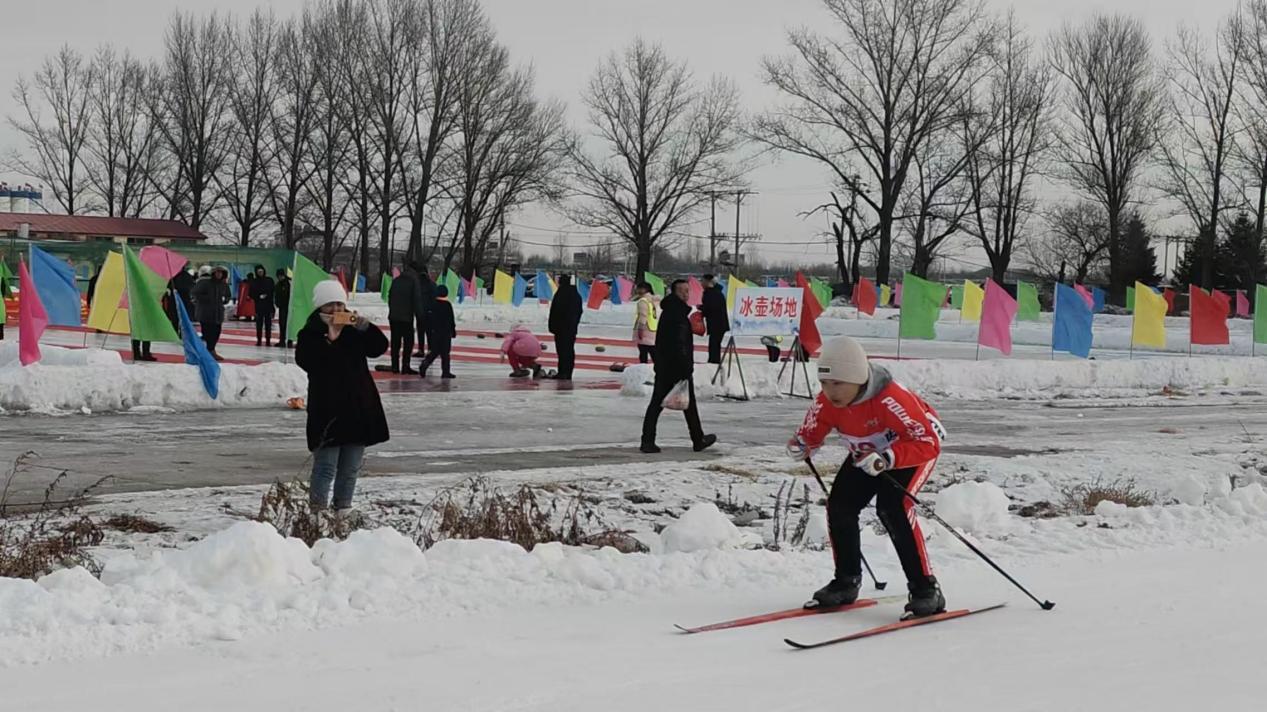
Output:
x=887 y=419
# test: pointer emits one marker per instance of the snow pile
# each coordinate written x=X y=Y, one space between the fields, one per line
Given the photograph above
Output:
x=100 y=381
x=975 y=507
x=701 y=528
x=58 y=356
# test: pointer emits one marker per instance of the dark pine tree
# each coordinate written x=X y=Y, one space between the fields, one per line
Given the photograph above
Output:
x=1240 y=261
x=1139 y=257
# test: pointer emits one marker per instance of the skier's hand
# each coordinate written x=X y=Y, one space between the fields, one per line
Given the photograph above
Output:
x=798 y=450
x=872 y=464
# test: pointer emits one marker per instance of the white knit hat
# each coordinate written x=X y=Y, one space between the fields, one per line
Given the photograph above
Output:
x=328 y=291
x=843 y=359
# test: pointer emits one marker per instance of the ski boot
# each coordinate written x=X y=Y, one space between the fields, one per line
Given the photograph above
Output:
x=842 y=591
x=924 y=600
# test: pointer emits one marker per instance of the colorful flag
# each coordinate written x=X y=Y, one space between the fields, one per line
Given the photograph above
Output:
x=54 y=280
x=897 y=295
x=503 y=288
x=624 y=288
x=1242 y=303
x=973 y=300
x=657 y=284
x=1169 y=295
x=1097 y=300
x=105 y=313
x=1149 y=328
x=235 y=278
x=1071 y=323
x=921 y=307
x=811 y=340
x=781 y=283
x=1207 y=322
x=1260 y=315
x=196 y=353
x=997 y=312
x=822 y=291
x=732 y=288
x=544 y=287
x=771 y=282
x=307 y=276
x=385 y=289
x=453 y=283
x=1028 y=308
x=395 y=272
x=361 y=283
x=32 y=318
x=342 y=276
x=885 y=294
x=6 y=280
x=598 y=293
x=164 y=262
x=1130 y=299
x=864 y=296
x=956 y=297
x=1085 y=294
x=695 y=295
x=583 y=289
x=145 y=307
x=519 y=291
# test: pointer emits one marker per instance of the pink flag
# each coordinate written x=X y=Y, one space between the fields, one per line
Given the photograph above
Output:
x=783 y=284
x=469 y=286
x=1242 y=304
x=626 y=289
x=1086 y=294
x=696 y=295
x=897 y=295
x=163 y=261
x=996 y=318
x=32 y=318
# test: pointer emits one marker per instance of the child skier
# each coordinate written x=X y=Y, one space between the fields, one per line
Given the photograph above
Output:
x=893 y=437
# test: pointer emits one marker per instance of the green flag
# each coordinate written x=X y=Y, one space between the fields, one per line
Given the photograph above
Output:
x=453 y=283
x=1260 y=315
x=821 y=290
x=387 y=287
x=1130 y=299
x=956 y=296
x=6 y=283
x=145 y=308
x=307 y=276
x=921 y=307
x=1028 y=308
x=657 y=284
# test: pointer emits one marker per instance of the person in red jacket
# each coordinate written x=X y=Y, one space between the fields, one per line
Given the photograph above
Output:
x=888 y=429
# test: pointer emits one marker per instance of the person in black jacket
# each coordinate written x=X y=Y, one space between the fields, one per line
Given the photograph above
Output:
x=565 y=321
x=211 y=294
x=716 y=318
x=345 y=413
x=281 y=294
x=674 y=362
x=442 y=329
x=262 y=290
x=404 y=305
x=428 y=289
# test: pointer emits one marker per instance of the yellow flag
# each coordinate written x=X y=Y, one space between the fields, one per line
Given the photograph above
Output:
x=1149 y=328
x=973 y=299
x=884 y=295
x=105 y=313
x=732 y=287
x=503 y=287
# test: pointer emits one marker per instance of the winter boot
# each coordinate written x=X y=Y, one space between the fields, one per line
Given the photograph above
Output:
x=925 y=599
x=649 y=449
x=519 y=373
x=706 y=443
x=842 y=591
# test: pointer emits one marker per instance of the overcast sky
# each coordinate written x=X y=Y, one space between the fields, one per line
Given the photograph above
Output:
x=564 y=40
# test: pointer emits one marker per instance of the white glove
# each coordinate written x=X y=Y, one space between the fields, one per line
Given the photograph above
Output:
x=797 y=449
x=872 y=464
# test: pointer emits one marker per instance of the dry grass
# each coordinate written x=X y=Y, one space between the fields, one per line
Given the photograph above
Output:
x=1083 y=498
x=55 y=534
x=288 y=508
x=135 y=524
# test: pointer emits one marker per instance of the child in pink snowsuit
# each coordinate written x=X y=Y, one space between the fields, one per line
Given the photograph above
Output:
x=522 y=349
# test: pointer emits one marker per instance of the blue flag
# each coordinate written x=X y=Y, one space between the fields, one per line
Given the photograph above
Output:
x=1097 y=297
x=771 y=282
x=196 y=353
x=520 y=290
x=584 y=288
x=615 y=295
x=55 y=283
x=544 y=291
x=360 y=283
x=1071 y=325
x=235 y=278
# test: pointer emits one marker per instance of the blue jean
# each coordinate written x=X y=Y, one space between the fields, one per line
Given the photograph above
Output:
x=338 y=465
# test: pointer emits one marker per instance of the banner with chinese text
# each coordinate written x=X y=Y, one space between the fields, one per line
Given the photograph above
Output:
x=762 y=311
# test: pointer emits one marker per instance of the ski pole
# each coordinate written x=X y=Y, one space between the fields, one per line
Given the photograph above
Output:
x=879 y=585
x=1045 y=605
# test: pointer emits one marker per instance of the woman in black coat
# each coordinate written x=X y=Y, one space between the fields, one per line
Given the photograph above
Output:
x=345 y=414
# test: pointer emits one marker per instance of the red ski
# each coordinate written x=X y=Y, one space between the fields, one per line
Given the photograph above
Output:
x=891 y=627
x=790 y=613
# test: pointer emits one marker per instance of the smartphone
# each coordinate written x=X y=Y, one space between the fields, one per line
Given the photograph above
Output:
x=343 y=318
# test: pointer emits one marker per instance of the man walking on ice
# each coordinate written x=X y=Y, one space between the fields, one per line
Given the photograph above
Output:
x=893 y=437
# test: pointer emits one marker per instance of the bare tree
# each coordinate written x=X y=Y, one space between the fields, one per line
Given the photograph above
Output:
x=1000 y=173
x=849 y=232
x=123 y=137
x=1114 y=103
x=349 y=19
x=1076 y=245
x=291 y=127
x=936 y=206
x=58 y=140
x=248 y=145
x=665 y=143
x=1251 y=149
x=1197 y=144
x=896 y=77
x=196 y=73
x=330 y=143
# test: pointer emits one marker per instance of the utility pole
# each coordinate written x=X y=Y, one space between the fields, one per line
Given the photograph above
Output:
x=739 y=196
x=712 y=233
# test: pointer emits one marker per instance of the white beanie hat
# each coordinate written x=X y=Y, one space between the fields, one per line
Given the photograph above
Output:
x=843 y=359
x=204 y=271
x=328 y=291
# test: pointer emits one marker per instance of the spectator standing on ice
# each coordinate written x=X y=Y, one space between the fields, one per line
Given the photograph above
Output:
x=428 y=289
x=716 y=318
x=281 y=294
x=263 y=290
x=404 y=308
x=888 y=429
x=674 y=362
x=345 y=414
x=565 y=322
x=645 y=323
x=442 y=329
x=211 y=294
x=522 y=348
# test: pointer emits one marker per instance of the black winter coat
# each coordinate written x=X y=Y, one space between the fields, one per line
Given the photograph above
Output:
x=565 y=312
x=442 y=328
x=343 y=403
x=281 y=293
x=183 y=283
x=404 y=299
x=674 y=340
x=714 y=309
x=210 y=296
x=262 y=290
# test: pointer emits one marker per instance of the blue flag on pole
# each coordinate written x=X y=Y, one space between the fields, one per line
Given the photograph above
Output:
x=544 y=291
x=360 y=283
x=55 y=283
x=584 y=288
x=1097 y=298
x=1071 y=325
x=196 y=353
x=235 y=278
x=520 y=291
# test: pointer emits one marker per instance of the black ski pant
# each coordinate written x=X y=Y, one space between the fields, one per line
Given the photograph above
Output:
x=281 y=326
x=264 y=326
x=714 y=345
x=655 y=407
x=852 y=491
x=565 y=344
x=211 y=334
x=402 y=336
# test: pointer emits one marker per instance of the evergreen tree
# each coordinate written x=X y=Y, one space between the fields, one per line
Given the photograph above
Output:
x=1138 y=256
x=1241 y=262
